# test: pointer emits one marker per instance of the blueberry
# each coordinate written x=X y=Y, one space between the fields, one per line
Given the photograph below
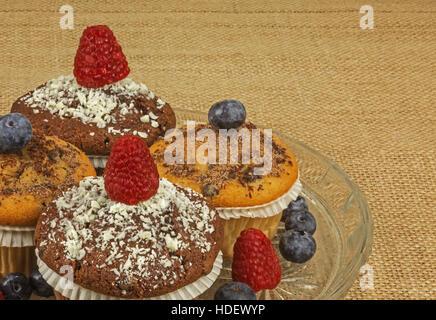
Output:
x=298 y=204
x=286 y=213
x=235 y=291
x=227 y=114
x=39 y=285
x=15 y=132
x=15 y=286
x=301 y=221
x=297 y=246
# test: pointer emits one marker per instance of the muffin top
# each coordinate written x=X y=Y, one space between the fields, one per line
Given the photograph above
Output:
x=31 y=177
x=230 y=183
x=93 y=118
x=130 y=251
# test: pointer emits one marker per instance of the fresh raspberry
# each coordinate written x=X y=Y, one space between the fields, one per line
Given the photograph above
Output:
x=130 y=175
x=255 y=261
x=99 y=59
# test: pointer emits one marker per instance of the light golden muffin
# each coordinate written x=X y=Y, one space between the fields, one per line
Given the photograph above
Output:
x=244 y=199
x=29 y=179
x=32 y=177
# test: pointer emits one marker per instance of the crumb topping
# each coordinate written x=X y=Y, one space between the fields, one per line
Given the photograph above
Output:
x=102 y=107
x=144 y=242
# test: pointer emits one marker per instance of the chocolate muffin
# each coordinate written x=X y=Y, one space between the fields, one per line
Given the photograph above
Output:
x=94 y=118
x=98 y=104
x=129 y=251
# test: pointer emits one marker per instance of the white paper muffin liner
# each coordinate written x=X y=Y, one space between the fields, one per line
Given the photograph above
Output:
x=77 y=292
x=16 y=237
x=264 y=210
x=98 y=161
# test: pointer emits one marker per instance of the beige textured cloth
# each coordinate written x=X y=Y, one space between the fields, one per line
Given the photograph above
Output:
x=364 y=98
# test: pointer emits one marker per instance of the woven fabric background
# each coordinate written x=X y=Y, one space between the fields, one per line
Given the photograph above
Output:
x=364 y=98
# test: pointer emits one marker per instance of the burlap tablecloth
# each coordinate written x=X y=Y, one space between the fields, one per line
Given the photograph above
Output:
x=364 y=98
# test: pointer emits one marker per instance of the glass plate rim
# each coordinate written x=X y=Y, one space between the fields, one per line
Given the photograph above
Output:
x=339 y=285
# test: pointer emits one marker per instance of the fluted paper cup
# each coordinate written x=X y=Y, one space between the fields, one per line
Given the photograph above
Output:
x=264 y=217
x=17 y=250
x=99 y=163
x=77 y=292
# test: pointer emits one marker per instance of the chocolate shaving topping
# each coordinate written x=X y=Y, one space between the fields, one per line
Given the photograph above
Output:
x=34 y=169
x=217 y=175
x=209 y=190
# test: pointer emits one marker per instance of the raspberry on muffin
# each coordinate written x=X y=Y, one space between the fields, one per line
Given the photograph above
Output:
x=99 y=104
x=99 y=59
x=130 y=174
x=159 y=239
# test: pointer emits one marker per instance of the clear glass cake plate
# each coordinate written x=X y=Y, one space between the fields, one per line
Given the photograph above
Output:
x=343 y=235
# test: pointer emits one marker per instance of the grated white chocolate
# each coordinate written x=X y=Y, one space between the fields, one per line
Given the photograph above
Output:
x=133 y=241
x=94 y=106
